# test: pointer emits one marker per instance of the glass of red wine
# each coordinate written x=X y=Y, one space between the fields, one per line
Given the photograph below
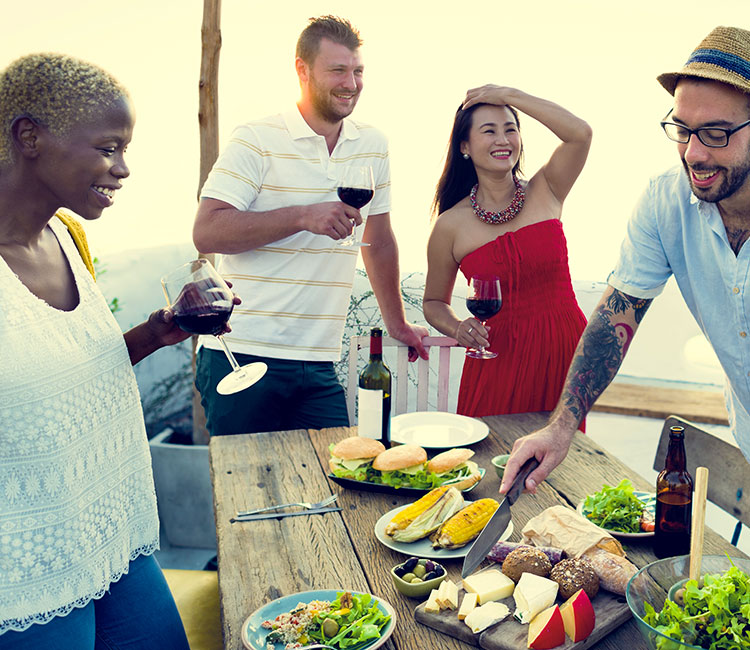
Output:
x=483 y=300
x=355 y=187
x=202 y=304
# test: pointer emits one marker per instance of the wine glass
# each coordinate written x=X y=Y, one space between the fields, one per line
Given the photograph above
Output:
x=202 y=304
x=483 y=300
x=355 y=187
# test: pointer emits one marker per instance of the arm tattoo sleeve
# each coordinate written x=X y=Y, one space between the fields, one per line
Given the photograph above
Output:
x=603 y=346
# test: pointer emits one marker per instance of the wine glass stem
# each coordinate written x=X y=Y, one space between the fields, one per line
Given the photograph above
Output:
x=232 y=361
x=481 y=347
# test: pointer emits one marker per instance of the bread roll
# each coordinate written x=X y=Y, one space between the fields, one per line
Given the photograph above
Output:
x=574 y=574
x=526 y=559
x=614 y=571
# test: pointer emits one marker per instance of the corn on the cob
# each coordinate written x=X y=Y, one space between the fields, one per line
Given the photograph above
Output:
x=449 y=503
x=465 y=525
x=404 y=517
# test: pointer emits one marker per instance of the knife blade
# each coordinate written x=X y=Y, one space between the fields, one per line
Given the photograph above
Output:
x=281 y=515
x=498 y=522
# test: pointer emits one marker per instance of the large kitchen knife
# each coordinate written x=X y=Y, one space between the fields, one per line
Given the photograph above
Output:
x=499 y=521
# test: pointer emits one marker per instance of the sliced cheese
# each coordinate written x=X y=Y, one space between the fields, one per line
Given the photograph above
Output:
x=532 y=595
x=353 y=463
x=450 y=601
x=440 y=596
x=431 y=604
x=470 y=601
x=489 y=585
x=480 y=618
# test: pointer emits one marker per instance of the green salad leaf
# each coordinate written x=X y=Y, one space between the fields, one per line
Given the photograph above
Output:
x=359 y=623
x=715 y=616
x=615 y=508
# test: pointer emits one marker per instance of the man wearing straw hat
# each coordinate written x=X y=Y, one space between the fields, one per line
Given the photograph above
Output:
x=691 y=222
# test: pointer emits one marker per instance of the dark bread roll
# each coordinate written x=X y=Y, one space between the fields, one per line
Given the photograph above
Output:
x=574 y=574
x=526 y=559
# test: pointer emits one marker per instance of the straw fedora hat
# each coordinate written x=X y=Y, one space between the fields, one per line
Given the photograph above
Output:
x=724 y=55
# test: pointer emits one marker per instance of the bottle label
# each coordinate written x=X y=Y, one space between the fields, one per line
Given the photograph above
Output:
x=370 y=422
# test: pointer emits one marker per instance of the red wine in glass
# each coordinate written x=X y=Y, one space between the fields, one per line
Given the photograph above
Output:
x=483 y=300
x=355 y=187
x=202 y=304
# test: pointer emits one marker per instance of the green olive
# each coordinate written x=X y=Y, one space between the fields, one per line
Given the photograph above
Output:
x=330 y=627
x=408 y=577
x=416 y=580
x=679 y=596
x=420 y=571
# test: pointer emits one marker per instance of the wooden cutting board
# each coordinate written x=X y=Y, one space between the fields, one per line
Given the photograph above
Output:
x=611 y=612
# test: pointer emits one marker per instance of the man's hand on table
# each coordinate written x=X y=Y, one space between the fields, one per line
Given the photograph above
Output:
x=549 y=445
x=412 y=335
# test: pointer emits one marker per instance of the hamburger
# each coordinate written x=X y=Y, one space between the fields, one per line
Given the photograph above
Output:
x=454 y=467
x=403 y=466
x=352 y=457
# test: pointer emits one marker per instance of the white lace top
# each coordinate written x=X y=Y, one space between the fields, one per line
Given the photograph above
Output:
x=77 y=499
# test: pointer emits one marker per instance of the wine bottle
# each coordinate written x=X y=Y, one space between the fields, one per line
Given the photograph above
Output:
x=374 y=394
x=674 y=500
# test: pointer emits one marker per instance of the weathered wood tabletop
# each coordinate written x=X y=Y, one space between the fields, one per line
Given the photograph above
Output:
x=260 y=561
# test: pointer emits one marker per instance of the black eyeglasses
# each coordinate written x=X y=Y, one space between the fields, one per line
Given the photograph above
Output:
x=711 y=136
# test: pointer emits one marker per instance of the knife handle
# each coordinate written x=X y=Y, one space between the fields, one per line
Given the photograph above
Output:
x=520 y=480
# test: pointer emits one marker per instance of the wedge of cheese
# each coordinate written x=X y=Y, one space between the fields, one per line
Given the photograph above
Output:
x=489 y=585
x=532 y=595
x=448 y=598
x=480 y=618
x=431 y=604
x=469 y=602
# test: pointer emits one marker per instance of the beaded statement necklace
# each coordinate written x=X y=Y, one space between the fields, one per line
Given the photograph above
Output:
x=504 y=215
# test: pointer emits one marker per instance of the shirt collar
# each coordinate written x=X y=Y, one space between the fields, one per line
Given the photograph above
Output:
x=298 y=128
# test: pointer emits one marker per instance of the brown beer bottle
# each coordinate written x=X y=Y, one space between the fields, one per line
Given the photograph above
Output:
x=674 y=500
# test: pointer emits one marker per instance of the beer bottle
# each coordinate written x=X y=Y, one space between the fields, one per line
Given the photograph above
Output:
x=674 y=500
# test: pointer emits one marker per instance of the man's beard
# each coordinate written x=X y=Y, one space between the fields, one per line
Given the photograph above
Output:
x=323 y=104
x=734 y=179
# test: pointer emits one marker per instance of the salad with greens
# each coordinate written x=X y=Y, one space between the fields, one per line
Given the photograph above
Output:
x=715 y=616
x=350 y=622
x=618 y=509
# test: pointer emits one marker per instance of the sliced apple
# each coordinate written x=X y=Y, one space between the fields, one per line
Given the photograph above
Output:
x=547 y=629
x=578 y=616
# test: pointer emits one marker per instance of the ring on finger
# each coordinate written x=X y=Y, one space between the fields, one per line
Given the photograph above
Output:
x=469 y=330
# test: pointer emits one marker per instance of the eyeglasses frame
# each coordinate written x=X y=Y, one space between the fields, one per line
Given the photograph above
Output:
x=728 y=132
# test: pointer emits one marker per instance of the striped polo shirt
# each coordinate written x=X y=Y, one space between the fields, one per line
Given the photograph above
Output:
x=295 y=292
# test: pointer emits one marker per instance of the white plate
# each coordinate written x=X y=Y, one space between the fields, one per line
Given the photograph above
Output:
x=423 y=547
x=437 y=429
x=649 y=501
x=254 y=634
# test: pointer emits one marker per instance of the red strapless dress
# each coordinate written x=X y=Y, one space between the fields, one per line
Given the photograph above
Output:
x=536 y=331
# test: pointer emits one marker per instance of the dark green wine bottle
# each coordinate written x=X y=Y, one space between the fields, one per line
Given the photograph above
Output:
x=374 y=394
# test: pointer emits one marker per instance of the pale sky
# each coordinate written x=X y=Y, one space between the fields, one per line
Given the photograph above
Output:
x=597 y=60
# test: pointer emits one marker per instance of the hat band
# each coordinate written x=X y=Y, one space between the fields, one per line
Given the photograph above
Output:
x=730 y=62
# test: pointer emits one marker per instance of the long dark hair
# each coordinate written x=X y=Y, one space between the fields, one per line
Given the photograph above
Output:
x=459 y=175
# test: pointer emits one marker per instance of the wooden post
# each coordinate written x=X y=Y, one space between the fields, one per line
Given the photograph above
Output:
x=208 y=124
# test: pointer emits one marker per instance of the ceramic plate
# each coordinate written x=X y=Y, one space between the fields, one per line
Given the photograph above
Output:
x=377 y=487
x=254 y=634
x=423 y=547
x=437 y=429
x=649 y=501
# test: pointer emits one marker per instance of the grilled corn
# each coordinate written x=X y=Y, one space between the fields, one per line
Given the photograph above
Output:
x=465 y=525
x=449 y=502
x=404 y=517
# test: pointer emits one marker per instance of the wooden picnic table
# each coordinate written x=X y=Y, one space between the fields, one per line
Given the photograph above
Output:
x=263 y=560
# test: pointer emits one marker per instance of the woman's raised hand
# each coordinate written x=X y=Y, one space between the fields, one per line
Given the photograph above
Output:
x=489 y=94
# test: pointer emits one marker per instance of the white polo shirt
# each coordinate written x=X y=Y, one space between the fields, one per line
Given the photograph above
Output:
x=295 y=292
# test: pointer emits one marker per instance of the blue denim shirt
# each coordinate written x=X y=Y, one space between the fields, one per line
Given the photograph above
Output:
x=672 y=232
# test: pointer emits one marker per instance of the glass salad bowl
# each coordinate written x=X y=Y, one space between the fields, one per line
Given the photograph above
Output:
x=660 y=580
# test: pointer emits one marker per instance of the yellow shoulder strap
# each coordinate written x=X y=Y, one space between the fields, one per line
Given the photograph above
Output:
x=79 y=237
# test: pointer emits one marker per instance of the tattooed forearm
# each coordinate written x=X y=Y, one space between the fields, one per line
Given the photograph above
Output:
x=601 y=350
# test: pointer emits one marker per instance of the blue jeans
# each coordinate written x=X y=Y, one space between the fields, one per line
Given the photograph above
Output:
x=291 y=395
x=137 y=613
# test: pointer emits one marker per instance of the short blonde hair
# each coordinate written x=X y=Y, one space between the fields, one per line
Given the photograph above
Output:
x=54 y=90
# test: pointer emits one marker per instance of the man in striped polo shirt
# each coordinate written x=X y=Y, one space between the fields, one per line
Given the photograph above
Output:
x=269 y=209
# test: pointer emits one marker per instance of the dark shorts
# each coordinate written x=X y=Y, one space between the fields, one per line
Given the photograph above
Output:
x=291 y=395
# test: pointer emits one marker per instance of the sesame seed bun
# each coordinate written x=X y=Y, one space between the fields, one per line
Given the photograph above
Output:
x=399 y=457
x=358 y=447
x=449 y=459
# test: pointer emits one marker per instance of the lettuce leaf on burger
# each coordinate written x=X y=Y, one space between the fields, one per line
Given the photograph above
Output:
x=404 y=466
x=352 y=458
x=454 y=467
